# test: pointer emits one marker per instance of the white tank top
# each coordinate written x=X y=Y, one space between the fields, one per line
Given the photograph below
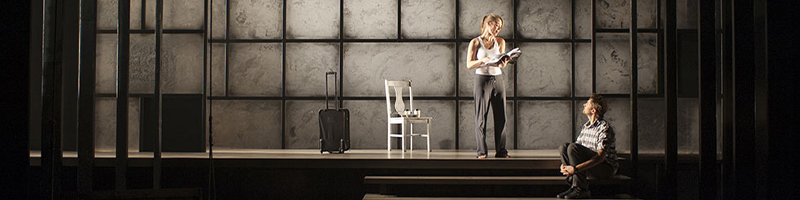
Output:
x=491 y=53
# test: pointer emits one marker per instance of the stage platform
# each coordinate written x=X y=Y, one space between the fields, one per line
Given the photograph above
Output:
x=311 y=158
x=288 y=173
x=391 y=197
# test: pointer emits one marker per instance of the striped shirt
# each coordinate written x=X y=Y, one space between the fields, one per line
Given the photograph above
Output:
x=599 y=135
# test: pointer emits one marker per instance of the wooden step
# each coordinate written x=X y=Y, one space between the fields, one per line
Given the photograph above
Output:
x=392 y=197
x=486 y=180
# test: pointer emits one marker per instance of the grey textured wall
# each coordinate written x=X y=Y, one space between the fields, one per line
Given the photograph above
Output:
x=254 y=69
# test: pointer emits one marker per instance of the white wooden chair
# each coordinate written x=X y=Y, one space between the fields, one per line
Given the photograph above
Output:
x=397 y=115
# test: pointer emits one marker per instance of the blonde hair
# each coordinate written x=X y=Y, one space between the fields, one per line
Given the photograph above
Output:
x=487 y=18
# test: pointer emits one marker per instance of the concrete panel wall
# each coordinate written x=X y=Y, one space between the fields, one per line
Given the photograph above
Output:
x=247 y=124
x=370 y=19
x=312 y=19
x=254 y=69
x=545 y=69
x=306 y=64
x=302 y=124
x=427 y=19
x=544 y=19
x=429 y=65
x=542 y=124
x=105 y=126
x=255 y=19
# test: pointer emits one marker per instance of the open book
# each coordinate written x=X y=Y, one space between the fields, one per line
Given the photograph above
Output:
x=510 y=55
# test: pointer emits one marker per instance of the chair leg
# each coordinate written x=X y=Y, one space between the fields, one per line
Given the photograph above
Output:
x=428 y=135
x=403 y=138
x=411 y=136
x=389 y=137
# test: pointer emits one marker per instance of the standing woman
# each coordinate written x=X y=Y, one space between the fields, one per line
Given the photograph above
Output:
x=489 y=84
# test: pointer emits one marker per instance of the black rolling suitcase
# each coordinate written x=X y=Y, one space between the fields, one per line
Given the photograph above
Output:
x=334 y=124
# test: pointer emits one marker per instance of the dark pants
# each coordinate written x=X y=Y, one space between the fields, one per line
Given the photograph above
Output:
x=573 y=154
x=490 y=91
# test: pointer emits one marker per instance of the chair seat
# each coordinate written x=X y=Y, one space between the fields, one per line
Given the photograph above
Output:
x=398 y=120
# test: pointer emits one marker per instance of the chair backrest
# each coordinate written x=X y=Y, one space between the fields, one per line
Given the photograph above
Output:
x=396 y=88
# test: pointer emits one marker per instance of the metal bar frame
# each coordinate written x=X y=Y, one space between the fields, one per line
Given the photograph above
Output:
x=708 y=102
x=51 y=105
x=86 y=95
x=594 y=45
x=515 y=102
x=728 y=190
x=152 y=31
x=208 y=48
x=744 y=85
x=227 y=44
x=761 y=99
x=123 y=62
x=158 y=98
x=634 y=97
x=283 y=76
x=458 y=70
x=572 y=110
x=669 y=183
x=356 y=40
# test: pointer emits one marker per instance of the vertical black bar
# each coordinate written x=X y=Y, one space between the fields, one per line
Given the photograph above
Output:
x=744 y=101
x=205 y=63
x=708 y=92
x=86 y=91
x=123 y=52
x=157 y=90
x=668 y=183
x=634 y=42
x=227 y=43
x=143 y=15
x=208 y=34
x=51 y=67
x=728 y=109
x=761 y=105
x=399 y=18
x=660 y=48
x=341 y=53
x=594 y=46
x=283 y=77
x=515 y=99
x=572 y=81
x=69 y=76
x=458 y=69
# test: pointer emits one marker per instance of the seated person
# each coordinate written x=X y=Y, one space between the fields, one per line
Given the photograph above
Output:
x=593 y=153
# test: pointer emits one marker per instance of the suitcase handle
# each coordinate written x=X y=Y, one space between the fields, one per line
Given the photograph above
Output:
x=335 y=89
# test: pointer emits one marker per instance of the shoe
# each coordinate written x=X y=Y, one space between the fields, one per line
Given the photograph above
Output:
x=503 y=156
x=563 y=194
x=482 y=157
x=577 y=193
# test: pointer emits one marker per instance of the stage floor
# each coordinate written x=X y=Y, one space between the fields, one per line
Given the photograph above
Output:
x=311 y=158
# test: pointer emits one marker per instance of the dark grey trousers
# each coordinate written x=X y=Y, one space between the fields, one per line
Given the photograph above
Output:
x=490 y=91
x=573 y=154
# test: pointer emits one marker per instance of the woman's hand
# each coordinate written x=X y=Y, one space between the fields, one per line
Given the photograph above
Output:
x=485 y=60
x=504 y=62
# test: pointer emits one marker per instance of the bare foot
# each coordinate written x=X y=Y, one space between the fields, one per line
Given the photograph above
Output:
x=482 y=157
